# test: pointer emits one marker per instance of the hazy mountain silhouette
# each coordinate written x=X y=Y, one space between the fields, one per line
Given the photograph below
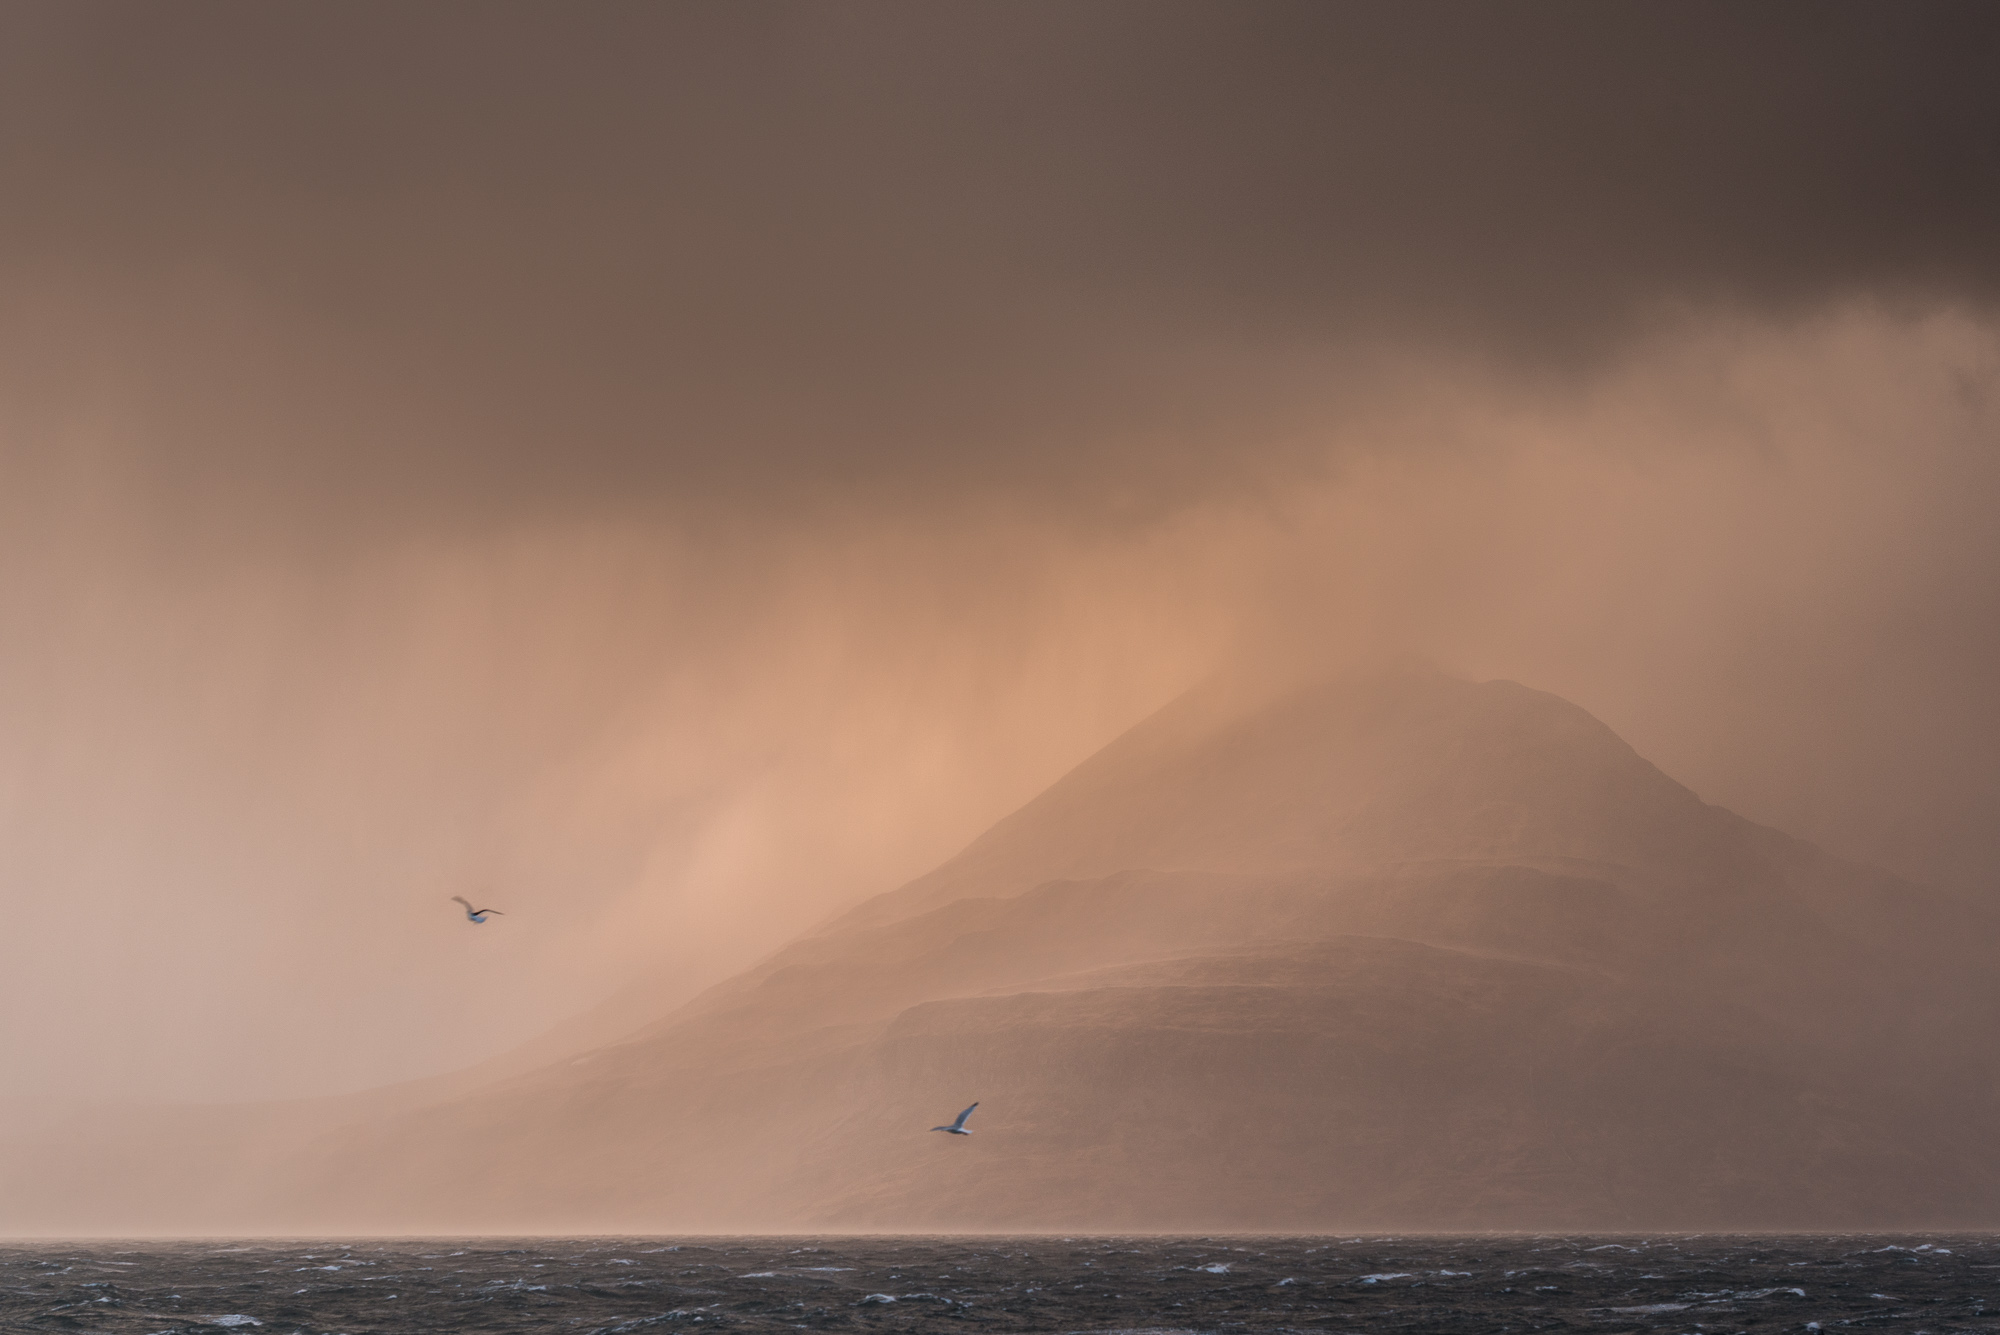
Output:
x=1398 y=951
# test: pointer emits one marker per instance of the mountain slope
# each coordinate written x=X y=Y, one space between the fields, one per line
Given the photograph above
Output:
x=1402 y=952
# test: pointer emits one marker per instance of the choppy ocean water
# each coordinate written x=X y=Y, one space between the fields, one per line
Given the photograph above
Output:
x=609 y=1286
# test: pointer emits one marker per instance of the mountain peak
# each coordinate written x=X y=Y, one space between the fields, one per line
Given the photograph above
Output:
x=1350 y=771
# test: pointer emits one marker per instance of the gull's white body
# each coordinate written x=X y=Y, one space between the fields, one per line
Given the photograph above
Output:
x=957 y=1128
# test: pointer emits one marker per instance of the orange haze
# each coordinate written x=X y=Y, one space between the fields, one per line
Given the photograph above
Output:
x=672 y=472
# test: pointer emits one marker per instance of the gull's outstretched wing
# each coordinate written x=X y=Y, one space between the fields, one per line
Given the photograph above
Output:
x=962 y=1116
x=468 y=903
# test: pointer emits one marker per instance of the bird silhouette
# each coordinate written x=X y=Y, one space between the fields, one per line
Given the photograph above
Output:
x=957 y=1128
x=476 y=915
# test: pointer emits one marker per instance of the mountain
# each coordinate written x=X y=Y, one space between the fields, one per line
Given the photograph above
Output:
x=1386 y=952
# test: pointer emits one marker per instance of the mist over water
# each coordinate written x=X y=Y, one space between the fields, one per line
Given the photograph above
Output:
x=244 y=779
x=673 y=474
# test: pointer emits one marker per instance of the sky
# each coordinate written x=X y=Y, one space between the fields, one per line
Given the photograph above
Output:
x=672 y=471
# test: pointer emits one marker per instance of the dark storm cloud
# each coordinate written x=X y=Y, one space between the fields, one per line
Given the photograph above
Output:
x=676 y=463
x=542 y=254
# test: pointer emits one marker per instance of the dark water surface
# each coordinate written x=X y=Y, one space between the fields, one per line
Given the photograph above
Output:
x=607 y=1286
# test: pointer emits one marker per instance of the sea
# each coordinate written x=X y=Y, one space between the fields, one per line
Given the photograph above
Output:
x=1100 y=1285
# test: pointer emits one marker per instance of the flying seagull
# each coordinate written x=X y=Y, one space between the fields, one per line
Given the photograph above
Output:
x=957 y=1128
x=479 y=915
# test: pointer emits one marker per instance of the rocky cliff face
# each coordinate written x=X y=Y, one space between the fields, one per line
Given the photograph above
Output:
x=1404 y=952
